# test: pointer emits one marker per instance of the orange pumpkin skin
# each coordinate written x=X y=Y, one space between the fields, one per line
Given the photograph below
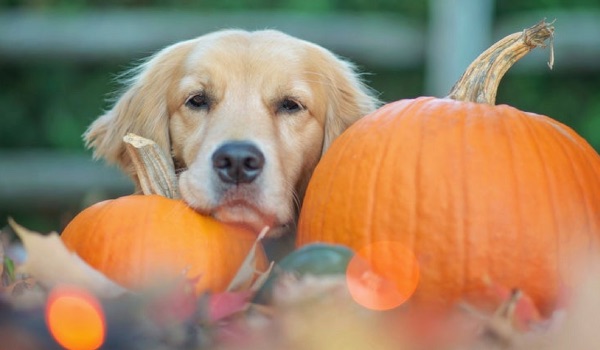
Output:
x=487 y=197
x=143 y=241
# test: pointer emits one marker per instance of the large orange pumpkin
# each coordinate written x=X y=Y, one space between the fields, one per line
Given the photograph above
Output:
x=143 y=241
x=488 y=198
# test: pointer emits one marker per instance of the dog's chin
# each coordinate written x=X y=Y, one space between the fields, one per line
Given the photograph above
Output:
x=244 y=214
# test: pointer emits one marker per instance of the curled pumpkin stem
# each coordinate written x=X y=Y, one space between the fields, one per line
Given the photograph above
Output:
x=480 y=81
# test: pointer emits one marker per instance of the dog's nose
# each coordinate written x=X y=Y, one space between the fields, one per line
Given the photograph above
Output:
x=238 y=162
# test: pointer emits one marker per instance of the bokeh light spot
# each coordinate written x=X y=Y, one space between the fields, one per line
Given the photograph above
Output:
x=382 y=275
x=75 y=318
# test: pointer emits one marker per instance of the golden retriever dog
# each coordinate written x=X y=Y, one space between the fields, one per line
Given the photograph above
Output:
x=245 y=115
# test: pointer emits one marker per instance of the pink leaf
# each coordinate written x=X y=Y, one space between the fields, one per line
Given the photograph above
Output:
x=225 y=304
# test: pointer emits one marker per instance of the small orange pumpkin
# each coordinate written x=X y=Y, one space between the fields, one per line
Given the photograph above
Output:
x=488 y=198
x=140 y=241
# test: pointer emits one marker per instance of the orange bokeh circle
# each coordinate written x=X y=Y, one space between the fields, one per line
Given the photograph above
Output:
x=75 y=318
x=382 y=275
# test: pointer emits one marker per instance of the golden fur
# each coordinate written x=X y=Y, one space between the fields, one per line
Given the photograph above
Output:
x=288 y=97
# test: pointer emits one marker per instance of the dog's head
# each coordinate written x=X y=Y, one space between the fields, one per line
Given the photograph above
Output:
x=246 y=115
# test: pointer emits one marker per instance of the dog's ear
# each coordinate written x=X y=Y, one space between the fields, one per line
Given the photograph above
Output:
x=349 y=98
x=141 y=109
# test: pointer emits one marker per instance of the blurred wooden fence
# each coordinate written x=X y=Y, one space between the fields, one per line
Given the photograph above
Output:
x=373 y=39
x=49 y=180
x=444 y=47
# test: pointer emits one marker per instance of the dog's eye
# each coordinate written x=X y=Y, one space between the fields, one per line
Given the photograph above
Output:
x=290 y=106
x=199 y=101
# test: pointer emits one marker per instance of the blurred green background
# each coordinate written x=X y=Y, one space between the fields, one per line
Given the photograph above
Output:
x=59 y=59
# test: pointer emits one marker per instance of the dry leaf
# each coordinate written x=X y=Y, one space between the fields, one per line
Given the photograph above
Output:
x=25 y=294
x=261 y=278
x=246 y=274
x=51 y=264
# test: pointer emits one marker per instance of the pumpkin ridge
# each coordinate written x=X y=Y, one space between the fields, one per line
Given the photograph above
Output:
x=328 y=189
x=371 y=204
x=515 y=185
x=491 y=129
x=135 y=253
x=91 y=225
x=369 y=200
x=107 y=257
x=161 y=207
x=543 y=161
x=464 y=239
x=176 y=210
x=427 y=111
x=142 y=254
x=473 y=244
x=534 y=135
x=372 y=225
x=407 y=112
x=532 y=256
x=478 y=239
x=414 y=224
x=342 y=158
x=561 y=142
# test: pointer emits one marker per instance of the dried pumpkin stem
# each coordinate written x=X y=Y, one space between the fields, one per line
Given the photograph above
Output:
x=154 y=169
x=480 y=81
